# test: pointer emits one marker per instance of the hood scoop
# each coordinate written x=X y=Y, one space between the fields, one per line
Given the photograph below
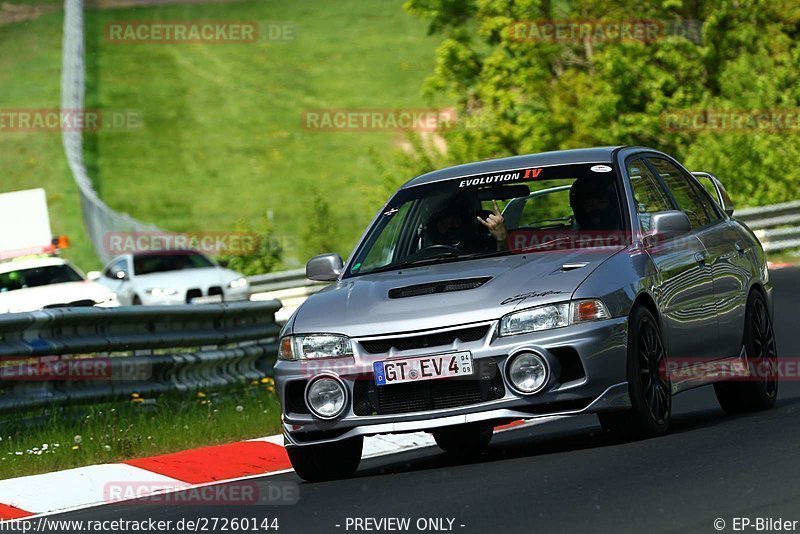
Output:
x=573 y=266
x=445 y=286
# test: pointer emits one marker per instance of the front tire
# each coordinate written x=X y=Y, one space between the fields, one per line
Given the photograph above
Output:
x=327 y=461
x=760 y=390
x=464 y=440
x=648 y=383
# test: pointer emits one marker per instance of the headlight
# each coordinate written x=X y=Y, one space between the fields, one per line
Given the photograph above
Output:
x=527 y=372
x=326 y=397
x=162 y=291
x=238 y=283
x=315 y=346
x=552 y=316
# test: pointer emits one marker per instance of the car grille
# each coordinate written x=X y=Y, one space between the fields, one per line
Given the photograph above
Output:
x=438 y=339
x=214 y=290
x=445 y=286
x=193 y=294
x=369 y=399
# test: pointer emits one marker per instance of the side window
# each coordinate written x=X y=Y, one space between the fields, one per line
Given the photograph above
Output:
x=112 y=270
x=648 y=193
x=708 y=200
x=688 y=197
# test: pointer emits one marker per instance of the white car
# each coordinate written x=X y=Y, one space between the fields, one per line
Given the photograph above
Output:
x=171 y=277
x=38 y=283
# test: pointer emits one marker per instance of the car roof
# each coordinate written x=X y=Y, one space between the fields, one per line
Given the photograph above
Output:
x=29 y=263
x=542 y=159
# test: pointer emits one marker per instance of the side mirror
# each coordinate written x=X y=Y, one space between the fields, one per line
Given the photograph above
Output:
x=324 y=268
x=666 y=225
x=93 y=276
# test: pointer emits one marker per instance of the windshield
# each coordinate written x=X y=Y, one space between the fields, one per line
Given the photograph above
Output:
x=39 y=276
x=159 y=263
x=524 y=210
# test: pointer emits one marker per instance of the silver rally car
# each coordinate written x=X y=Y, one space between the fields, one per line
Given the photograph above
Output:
x=599 y=280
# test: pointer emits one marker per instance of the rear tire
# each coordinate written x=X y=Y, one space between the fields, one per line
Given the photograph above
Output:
x=464 y=440
x=328 y=461
x=648 y=384
x=762 y=356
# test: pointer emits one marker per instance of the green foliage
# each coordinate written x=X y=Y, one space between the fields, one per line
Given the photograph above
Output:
x=534 y=95
x=262 y=251
x=319 y=234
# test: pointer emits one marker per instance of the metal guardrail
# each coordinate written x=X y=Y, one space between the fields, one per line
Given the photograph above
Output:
x=293 y=279
x=209 y=346
x=777 y=225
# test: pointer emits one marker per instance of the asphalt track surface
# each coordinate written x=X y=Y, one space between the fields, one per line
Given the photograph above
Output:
x=563 y=476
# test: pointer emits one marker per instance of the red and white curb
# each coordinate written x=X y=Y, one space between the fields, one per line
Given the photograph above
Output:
x=86 y=487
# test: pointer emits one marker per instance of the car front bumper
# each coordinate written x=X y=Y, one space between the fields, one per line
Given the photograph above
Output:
x=600 y=348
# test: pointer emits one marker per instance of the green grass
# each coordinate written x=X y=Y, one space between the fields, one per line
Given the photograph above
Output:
x=222 y=137
x=112 y=432
x=30 y=69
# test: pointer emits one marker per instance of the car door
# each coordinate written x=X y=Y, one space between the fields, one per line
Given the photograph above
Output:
x=684 y=287
x=727 y=254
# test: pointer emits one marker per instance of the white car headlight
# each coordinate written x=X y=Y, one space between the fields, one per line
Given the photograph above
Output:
x=315 y=346
x=552 y=316
x=238 y=283
x=162 y=291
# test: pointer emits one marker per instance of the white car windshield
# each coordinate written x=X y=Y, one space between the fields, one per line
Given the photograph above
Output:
x=38 y=276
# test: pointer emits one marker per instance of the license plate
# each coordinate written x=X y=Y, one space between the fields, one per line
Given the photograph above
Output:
x=422 y=368
x=211 y=299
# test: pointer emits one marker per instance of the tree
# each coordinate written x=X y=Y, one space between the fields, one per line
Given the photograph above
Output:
x=533 y=95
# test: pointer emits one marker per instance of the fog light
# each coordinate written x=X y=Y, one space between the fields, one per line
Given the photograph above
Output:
x=326 y=398
x=527 y=372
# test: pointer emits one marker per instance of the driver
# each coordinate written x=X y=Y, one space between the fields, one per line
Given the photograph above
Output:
x=447 y=227
x=594 y=203
x=451 y=227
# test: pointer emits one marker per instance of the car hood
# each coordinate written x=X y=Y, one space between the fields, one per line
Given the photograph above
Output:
x=36 y=298
x=187 y=278
x=361 y=306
